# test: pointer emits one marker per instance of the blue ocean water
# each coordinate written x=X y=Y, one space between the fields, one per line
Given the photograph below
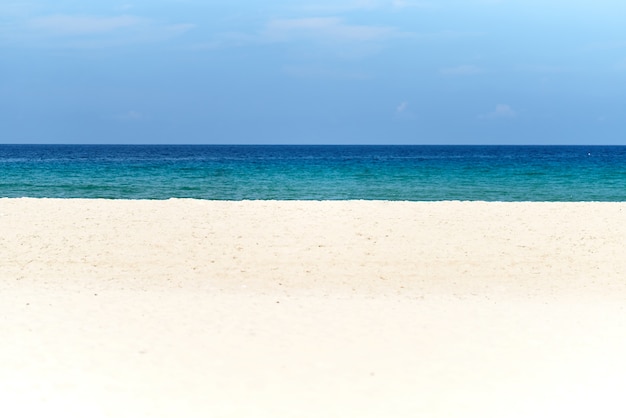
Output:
x=240 y=172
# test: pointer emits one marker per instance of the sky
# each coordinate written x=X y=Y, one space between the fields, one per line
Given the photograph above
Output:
x=313 y=72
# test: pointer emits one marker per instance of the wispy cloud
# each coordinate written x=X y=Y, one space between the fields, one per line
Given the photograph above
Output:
x=406 y=4
x=18 y=9
x=90 y=31
x=316 y=72
x=502 y=111
x=621 y=66
x=403 y=111
x=325 y=28
x=544 y=69
x=605 y=46
x=66 y=24
x=461 y=70
x=402 y=107
x=226 y=40
x=332 y=33
x=130 y=116
x=362 y=5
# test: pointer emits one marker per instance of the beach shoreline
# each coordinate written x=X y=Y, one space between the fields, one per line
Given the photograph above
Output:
x=312 y=308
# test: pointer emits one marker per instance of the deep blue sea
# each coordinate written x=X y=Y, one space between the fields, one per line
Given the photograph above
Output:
x=241 y=172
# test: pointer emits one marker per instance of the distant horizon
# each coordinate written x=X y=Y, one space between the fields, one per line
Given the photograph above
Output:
x=309 y=145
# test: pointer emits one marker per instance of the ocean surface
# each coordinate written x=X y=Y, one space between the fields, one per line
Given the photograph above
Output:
x=241 y=172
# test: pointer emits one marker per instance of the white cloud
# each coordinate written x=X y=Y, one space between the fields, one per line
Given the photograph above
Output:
x=65 y=24
x=131 y=115
x=544 y=69
x=501 y=111
x=405 y=4
x=178 y=28
x=403 y=112
x=17 y=9
x=226 y=40
x=324 y=73
x=325 y=28
x=400 y=4
x=82 y=31
x=461 y=70
x=333 y=31
x=621 y=66
x=604 y=46
x=361 y=5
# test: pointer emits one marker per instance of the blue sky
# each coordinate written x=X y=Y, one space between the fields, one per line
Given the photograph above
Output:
x=313 y=72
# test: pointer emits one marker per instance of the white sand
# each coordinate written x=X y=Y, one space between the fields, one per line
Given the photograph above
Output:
x=186 y=308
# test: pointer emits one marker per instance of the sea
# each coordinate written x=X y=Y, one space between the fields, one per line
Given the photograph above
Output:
x=316 y=172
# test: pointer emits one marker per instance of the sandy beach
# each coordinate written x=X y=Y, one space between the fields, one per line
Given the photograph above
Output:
x=190 y=308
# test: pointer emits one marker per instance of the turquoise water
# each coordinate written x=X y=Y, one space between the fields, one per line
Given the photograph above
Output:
x=418 y=173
